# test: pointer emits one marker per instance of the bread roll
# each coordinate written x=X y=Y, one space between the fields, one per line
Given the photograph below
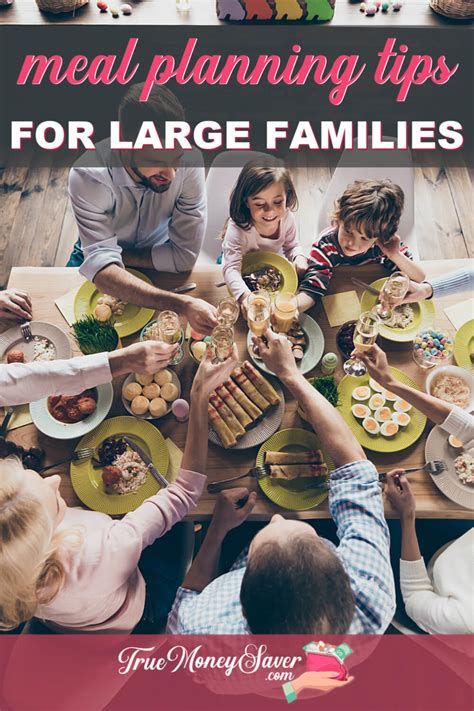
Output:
x=162 y=377
x=131 y=390
x=169 y=392
x=144 y=378
x=140 y=405
x=152 y=391
x=158 y=407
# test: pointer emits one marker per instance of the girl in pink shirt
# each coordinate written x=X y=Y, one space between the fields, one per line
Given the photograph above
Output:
x=260 y=219
x=78 y=569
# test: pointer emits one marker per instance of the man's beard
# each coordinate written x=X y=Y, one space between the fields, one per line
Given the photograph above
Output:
x=148 y=183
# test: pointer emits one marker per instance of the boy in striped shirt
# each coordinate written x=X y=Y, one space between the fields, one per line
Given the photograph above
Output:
x=363 y=231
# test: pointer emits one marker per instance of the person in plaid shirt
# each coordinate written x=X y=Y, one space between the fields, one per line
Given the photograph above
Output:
x=291 y=581
x=363 y=230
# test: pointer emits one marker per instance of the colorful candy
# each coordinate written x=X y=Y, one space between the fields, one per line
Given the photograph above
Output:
x=431 y=347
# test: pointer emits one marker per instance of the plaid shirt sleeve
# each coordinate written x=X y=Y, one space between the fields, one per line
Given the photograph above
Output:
x=356 y=506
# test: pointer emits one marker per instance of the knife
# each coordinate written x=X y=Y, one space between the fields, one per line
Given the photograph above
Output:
x=150 y=466
x=6 y=420
x=367 y=287
x=184 y=287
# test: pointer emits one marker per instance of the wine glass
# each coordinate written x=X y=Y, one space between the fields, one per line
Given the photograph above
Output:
x=169 y=328
x=284 y=311
x=222 y=342
x=366 y=332
x=392 y=292
x=227 y=311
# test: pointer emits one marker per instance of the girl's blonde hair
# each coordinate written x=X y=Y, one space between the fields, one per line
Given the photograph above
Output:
x=253 y=178
x=31 y=572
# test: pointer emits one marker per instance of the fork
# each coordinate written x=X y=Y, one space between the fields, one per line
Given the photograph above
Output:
x=437 y=466
x=25 y=329
x=77 y=456
x=261 y=472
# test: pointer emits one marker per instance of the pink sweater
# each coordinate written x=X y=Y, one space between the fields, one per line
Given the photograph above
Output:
x=104 y=590
x=238 y=242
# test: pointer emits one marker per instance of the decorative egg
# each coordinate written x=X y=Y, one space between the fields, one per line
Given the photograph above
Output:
x=397 y=5
x=362 y=6
x=198 y=350
x=401 y=405
x=385 y=6
x=376 y=401
x=126 y=9
x=401 y=418
x=370 y=10
x=361 y=393
x=360 y=411
x=371 y=425
x=103 y=7
x=383 y=414
x=389 y=429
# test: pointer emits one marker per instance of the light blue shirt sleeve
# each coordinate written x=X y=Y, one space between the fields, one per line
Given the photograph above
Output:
x=91 y=202
x=356 y=505
x=453 y=283
x=187 y=226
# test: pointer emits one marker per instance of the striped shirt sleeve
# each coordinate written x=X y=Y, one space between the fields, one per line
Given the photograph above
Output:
x=387 y=263
x=323 y=258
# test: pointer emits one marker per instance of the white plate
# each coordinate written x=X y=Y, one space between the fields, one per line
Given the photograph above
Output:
x=126 y=403
x=262 y=429
x=13 y=340
x=314 y=347
x=452 y=370
x=51 y=427
x=448 y=482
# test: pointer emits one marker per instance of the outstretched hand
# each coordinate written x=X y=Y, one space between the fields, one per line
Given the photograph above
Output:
x=377 y=364
x=275 y=351
x=211 y=374
x=15 y=305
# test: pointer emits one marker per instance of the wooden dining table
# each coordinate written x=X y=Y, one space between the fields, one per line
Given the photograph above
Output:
x=45 y=285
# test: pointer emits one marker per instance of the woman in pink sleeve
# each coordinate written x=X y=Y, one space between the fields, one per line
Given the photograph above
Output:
x=78 y=570
x=261 y=218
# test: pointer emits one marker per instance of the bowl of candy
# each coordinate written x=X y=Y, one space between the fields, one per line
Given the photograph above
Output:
x=432 y=347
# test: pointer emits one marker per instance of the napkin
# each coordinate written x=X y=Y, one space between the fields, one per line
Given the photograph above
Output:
x=176 y=456
x=20 y=417
x=341 y=307
x=458 y=314
x=65 y=304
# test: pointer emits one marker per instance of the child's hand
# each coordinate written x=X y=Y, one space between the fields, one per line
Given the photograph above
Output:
x=243 y=301
x=391 y=248
x=301 y=264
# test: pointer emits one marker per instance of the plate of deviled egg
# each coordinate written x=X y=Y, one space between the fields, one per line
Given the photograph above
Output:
x=381 y=421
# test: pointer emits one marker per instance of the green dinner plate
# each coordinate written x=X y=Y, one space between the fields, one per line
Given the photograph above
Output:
x=424 y=316
x=291 y=495
x=464 y=345
x=133 y=318
x=254 y=260
x=377 y=443
x=87 y=481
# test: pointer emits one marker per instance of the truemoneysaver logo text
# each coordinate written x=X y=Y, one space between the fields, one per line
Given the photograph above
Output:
x=252 y=659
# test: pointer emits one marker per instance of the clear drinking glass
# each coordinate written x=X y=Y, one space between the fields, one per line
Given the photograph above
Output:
x=222 y=342
x=170 y=330
x=284 y=311
x=393 y=291
x=227 y=311
x=258 y=312
x=365 y=335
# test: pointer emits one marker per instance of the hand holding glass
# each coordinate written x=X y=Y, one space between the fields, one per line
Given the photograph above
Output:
x=169 y=328
x=392 y=293
x=222 y=342
x=365 y=335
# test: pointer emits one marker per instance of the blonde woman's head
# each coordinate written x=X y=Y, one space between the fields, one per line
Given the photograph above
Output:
x=31 y=573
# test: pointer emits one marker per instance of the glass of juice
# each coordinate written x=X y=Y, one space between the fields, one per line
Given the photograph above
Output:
x=222 y=342
x=284 y=311
x=365 y=335
x=170 y=331
x=258 y=310
x=227 y=311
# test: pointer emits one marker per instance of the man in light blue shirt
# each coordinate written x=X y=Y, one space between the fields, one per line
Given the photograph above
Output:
x=292 y=581
x=144 y=209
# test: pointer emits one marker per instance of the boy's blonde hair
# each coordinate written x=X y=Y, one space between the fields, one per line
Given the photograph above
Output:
x=373 y=207
x=31 y=572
